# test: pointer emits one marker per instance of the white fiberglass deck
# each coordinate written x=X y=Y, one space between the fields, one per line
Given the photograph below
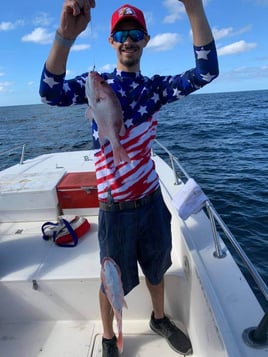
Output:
x=49 y=294
x=49 y=298
x=79 y=339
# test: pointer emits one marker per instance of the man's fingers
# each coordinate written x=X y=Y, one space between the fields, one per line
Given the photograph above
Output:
x=80 y=3
x=87 y=4
x=92 y=3
x=72 y=7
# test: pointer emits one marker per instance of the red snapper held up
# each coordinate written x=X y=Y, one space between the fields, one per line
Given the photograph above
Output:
x=105 y=108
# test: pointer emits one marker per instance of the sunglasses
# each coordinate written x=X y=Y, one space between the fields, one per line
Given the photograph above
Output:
x=135 y=35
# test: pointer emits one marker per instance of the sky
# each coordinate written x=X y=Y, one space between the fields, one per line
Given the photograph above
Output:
x=27 y=29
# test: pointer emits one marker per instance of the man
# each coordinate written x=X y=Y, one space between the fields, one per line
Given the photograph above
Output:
x=134 y=223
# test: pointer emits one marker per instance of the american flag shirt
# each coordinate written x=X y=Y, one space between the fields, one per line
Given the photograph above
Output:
x=141 y=98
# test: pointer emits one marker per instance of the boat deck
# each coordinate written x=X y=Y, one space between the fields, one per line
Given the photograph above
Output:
x=77 y=338
x=49 y=298
x=49 y=294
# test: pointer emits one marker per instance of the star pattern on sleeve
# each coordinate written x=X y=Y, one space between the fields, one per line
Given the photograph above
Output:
x=140 y=96
x=129 y=123
x=95 y=135
x=81 y=82
x=66 y=87
x=74 y=100
x=134 y=85
x=207 y=77
x=142 y=110
x=122 y=92
x=202 y=54
x=155 y=98
x=177 y=93
x=165 y=93
x=44 y=100
x=50 y=81
x=133 y=104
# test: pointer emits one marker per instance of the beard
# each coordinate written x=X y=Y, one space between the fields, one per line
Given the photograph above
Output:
x=129 y=62
x=132 y=60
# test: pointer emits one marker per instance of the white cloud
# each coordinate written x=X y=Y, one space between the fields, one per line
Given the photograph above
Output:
x=4 y=86
x=250 y=73
x=39 y=35
x=236 y=47
x=164 y=41
x=229 y=32
x=242 y=30
x=221 y=33
x=175 y=10
x=107 y=68
x=8 y=26
x=42 y=19
x=262 y=2
x=81 y=47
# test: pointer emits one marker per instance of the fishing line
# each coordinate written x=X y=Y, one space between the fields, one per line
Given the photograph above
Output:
x=92 y=41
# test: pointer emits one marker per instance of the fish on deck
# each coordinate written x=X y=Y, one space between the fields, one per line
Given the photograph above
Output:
x=112 y=283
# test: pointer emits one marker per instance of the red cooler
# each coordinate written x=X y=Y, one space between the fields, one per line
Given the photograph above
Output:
x=77 y=193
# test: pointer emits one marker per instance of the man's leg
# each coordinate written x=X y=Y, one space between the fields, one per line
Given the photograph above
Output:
x=109 y=346
x=157 y=296
x=162 y=325
x=107 y=316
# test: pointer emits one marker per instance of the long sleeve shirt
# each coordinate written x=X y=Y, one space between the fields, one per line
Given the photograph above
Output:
x=141 y=98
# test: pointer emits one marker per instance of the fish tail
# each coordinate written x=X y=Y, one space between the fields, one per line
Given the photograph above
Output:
x=120 y=342
x=120 y=155
x=118 y=317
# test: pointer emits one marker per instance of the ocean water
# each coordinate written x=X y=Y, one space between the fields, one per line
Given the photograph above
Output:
x=221 y=139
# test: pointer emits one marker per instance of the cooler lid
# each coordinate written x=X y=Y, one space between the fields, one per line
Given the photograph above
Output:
x=77 y=180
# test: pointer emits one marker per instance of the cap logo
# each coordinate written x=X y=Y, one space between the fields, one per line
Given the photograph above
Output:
x=126 y=11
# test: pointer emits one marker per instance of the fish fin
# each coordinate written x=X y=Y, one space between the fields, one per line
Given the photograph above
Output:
x=88 y=113
x=120 y=155
x=120 y=342
x=102 y=138
x=125 y=304
x=122 y=130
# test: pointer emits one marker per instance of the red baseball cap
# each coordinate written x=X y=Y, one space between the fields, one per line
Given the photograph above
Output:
x=126 y=12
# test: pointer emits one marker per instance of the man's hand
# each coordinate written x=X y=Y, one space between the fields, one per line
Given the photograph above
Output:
x=75 y=17
x=201 y=30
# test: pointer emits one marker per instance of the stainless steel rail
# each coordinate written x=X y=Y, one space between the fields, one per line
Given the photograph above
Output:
x=215 y=217
x=15 y=148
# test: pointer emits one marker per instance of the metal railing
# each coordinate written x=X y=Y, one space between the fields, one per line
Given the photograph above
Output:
x=22 y=147
x=215 y=217
x=255 y=336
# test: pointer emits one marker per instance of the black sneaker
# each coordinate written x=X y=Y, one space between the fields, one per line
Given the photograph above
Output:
x=176 y=339
x=109 y=348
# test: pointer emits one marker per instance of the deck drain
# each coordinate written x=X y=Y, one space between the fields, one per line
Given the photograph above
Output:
x=19 y=231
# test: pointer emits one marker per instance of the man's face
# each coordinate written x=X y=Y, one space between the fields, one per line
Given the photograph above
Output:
x=129 y=52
